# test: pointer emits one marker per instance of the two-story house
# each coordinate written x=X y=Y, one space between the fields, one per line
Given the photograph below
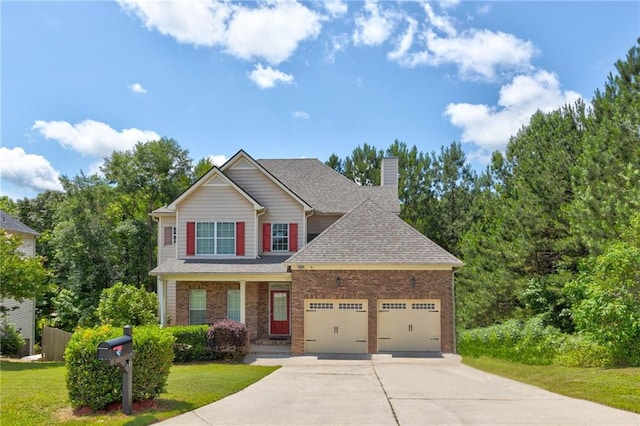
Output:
x=21 y=314
x=296 y=251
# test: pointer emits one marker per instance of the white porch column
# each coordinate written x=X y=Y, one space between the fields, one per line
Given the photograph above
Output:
x=243 y=301
x=162 y=301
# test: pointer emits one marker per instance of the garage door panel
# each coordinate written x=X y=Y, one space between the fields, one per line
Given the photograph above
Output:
x=408 y=325
x=336 y=326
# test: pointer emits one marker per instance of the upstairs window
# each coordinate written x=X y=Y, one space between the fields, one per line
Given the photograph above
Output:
x=215 y=238
x=280 y=237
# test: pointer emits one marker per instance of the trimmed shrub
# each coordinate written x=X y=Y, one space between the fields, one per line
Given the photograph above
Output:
x=11 y=341
x=228 y=339
x=191 y=343
x=92 y=383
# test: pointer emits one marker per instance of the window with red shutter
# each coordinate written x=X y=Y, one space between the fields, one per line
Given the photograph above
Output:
x=191 y=238
x=266 y=237
x=168 y=235
x=239 y=238
x=293 y=237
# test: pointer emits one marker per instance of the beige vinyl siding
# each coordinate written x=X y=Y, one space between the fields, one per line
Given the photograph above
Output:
x=28 y=247
x=165 y=252
x=216 y=203
x=319 y=222
x=279 y=205
x=23 y=318
x=171 y=301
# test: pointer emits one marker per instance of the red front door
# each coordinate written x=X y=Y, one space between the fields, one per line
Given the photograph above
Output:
x=280 y=312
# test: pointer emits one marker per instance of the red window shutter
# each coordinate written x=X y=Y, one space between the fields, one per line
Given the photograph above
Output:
x=168 y=235
x=266 y=237
x=191 y=238
x=239 y=238
x=293 y=237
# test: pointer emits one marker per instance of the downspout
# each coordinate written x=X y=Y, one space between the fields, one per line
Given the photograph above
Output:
x=256 y=231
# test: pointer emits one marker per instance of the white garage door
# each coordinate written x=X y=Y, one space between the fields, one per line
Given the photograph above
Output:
x=409 y=325
x=335 y=326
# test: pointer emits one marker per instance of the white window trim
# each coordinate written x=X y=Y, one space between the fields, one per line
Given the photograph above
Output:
x=273 y=238
x=174 y=235
x=215 y=239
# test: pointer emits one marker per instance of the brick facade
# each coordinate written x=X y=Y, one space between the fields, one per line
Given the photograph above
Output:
x=256 y=311
x=371 y=285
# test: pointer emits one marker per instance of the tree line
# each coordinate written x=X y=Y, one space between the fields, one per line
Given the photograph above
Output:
x=533 y=223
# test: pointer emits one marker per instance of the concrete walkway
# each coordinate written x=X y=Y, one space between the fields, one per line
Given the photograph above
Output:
x=386 y=390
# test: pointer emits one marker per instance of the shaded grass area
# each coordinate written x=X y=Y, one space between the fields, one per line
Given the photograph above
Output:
x=615 y=387
x=36 y=393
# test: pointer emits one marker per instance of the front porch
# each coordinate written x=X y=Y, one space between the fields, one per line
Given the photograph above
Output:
x=255 y=292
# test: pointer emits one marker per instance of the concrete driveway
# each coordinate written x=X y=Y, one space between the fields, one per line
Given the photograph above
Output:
x=386 y=390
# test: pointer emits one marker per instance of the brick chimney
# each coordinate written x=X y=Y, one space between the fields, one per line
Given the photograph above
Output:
x=389 y=172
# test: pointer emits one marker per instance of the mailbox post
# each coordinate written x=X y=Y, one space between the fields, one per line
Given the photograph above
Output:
x=119 y=351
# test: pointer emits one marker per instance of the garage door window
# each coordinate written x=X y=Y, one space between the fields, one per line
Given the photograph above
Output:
x=320 y=305
x=427 y=306
x=387 y=305
x=350 y=306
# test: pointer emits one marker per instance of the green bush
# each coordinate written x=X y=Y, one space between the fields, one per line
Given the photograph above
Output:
x=191 y=343
x=528 y=342
x=579 y=351
x=123 y=304
x=11 y=342
x=228 y=339
x=94 y=384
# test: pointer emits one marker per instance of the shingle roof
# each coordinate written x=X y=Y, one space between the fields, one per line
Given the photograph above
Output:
x=264 y=265
x=326 y=190
x=11 y=224
x=370 y=234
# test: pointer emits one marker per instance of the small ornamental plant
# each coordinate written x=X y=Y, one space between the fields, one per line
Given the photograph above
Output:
x=228 y=339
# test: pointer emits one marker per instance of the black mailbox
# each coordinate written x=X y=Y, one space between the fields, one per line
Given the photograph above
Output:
x=119 y=351
x=115 y=351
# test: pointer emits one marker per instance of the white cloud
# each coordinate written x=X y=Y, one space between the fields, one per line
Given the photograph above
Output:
x=28 y=170
x=300 y=115
x=266 y=78
x=217 y=160
x=337 y=43
x=93 y=137
x=490 y=127
x=478 y=54
x=137 y=88
x=336 y=8
x=439 y=22
x=375 y=26
x=271 y=31
x=198 y=22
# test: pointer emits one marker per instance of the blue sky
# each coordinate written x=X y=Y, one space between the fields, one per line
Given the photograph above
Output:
x=286 y=79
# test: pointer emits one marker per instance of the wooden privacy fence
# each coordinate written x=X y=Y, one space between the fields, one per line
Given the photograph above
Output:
x=54 y=342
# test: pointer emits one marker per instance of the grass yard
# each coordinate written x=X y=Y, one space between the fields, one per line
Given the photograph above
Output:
x=36 y=393
x=615 y=387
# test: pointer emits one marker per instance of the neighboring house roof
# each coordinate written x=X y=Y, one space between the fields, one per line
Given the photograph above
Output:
x=372 y=235
x=264 y=265
x=11 y=224
x=326 y=190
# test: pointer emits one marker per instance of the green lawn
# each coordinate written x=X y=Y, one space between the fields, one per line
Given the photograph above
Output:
x=615 y=387
x=36 y=394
